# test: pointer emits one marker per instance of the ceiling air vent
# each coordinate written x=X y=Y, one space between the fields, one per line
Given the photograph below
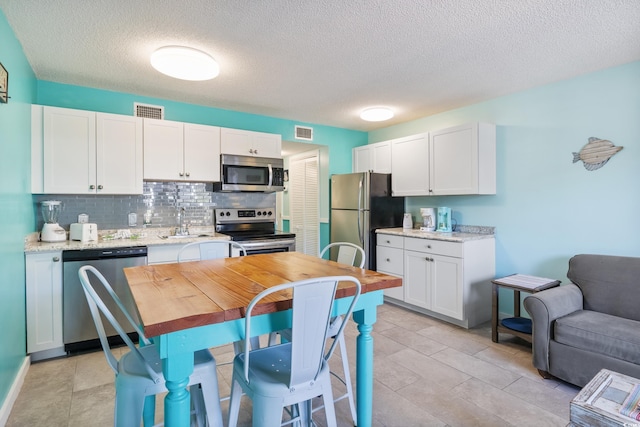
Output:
x=304 y=133
x=148 y=111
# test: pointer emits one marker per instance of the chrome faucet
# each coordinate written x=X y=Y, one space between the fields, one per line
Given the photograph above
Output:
x=182 y=229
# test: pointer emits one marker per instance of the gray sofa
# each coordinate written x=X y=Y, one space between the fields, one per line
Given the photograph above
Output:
x=590 y=324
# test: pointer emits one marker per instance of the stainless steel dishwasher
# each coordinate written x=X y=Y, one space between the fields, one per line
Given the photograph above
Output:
x=79 y=332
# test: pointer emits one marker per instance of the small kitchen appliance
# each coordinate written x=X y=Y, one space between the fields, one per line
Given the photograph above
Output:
x=444 y=220
x=428 y=219
x=84 y=232
x=407 y=221
x=51 y=231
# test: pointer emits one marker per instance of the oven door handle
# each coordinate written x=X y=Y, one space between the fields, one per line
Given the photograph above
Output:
x=270 y=174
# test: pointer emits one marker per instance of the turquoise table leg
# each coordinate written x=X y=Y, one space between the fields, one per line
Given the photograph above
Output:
x=364 y=368
x=177 y=404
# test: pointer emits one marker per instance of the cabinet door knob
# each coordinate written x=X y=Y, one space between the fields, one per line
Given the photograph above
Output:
x=92 y=187
x=250 y=150
x=388 y=260
x=188 y=174
x=181 y=174
x=255 y=151
x=100 y=187
x=56 y=259
x=428 y=246
x=389 y=241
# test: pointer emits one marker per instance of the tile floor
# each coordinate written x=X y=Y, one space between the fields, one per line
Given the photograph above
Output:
x=427 y=373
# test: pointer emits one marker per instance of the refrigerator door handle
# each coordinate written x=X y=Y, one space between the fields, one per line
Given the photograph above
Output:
x=360 y=233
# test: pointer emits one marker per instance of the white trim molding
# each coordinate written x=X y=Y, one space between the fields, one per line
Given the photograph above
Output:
x=7 y=405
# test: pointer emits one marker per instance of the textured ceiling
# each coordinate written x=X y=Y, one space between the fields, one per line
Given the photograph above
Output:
x=322 y=61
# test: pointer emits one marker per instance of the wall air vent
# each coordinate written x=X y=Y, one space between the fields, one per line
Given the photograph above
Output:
x=148 y=111
x=304 y=133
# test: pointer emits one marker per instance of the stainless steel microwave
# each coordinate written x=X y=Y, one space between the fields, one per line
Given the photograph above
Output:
x=247 y=173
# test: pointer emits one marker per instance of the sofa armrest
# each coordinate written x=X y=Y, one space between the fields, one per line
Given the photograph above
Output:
x=544 y=308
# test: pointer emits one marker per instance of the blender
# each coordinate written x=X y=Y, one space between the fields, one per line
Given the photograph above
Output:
x=51 y=231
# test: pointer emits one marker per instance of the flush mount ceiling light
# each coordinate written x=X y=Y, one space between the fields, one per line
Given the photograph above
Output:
x=184 y=63
x=376 y=114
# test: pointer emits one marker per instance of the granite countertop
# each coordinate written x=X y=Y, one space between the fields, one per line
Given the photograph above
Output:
x=126 y=237
x=465 y=234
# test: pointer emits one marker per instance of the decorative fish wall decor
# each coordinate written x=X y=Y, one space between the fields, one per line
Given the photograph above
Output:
x=596 y=153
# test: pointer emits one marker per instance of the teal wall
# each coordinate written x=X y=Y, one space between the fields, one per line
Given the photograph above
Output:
x=546 y=208
x=16 y=213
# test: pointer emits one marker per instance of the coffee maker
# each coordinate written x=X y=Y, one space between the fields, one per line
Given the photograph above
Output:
x=428 y=219
x=51 y=231
x=444 y=220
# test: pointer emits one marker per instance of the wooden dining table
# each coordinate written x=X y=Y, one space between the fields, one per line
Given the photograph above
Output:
x=196 y=305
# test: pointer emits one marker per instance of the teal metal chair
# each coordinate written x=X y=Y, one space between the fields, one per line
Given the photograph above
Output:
x=139 y=372
x=209 y=249
x=291 y=373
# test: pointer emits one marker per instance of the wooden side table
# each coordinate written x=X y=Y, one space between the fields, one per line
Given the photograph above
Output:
x=517 y=283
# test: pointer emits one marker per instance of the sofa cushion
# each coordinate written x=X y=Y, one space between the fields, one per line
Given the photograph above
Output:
x=600 y=333
x=609 y=284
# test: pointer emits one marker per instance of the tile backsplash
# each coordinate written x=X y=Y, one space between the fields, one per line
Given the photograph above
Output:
x=160 y=200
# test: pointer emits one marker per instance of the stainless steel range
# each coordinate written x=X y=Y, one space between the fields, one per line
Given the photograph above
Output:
x=255 y=229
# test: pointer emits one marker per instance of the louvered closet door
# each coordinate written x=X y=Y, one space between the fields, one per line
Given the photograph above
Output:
x=304 y=203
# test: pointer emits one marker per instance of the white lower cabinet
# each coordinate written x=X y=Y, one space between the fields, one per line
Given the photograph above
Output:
x=44 y=301
x=389 y=260
x=164 y=254
x=448 y=280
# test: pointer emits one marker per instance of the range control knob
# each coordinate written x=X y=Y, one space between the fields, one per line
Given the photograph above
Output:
x=270 y=213
x=259 y=213
x=228 y=213
x=221 y=213
x=264 y=213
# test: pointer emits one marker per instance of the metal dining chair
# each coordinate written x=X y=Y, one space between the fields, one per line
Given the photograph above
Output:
x=294 y=372
x=209 y=249
x=139 y=372
x=347 y=253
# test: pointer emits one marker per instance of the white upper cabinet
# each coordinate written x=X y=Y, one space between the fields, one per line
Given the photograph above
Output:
x=176 y=151
x=84 y=152
x=372 y=158
x=118 y=154
x=410 y=165
x=201 y=152
x=452 y=161
x=463 y=160
x=248 y=143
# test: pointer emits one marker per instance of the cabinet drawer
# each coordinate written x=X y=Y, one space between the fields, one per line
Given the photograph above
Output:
x=390 y=260
x=438 y=247
x=390 y=240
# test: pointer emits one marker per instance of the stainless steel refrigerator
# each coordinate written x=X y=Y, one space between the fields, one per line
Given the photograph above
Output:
x=360 y=204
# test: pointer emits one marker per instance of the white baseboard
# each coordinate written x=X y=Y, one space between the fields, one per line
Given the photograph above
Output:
x=7 y=405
